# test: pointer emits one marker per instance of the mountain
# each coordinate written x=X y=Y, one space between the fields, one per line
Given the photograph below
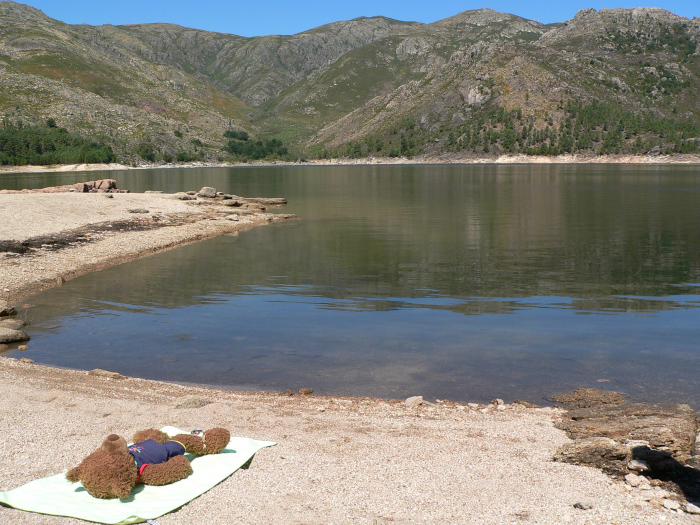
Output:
x=366 y=86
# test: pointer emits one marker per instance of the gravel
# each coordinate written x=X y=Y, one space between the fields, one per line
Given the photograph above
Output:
x=338 y=460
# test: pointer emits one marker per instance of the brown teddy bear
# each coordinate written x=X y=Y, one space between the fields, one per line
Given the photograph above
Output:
x=114 y=469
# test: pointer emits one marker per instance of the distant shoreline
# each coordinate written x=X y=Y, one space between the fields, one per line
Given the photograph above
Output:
x=447 y=159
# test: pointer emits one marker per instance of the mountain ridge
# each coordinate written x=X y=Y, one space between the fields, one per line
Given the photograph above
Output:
x=171 y=89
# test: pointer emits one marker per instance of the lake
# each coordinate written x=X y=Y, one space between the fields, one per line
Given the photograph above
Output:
x=452 y=282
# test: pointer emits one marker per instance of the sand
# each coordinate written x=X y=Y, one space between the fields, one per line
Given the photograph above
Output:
x=338 y=461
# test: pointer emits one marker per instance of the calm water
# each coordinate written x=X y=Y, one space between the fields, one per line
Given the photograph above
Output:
x=456 y=282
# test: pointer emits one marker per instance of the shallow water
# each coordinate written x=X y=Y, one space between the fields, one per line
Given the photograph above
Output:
x=457 y=282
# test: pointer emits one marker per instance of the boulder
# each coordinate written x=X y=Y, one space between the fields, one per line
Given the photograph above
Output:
x=208 y=192
x=414 y=401
x=6 y=309
x=9 y=335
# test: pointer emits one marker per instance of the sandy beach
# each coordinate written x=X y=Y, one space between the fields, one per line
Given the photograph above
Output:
x=338 y=461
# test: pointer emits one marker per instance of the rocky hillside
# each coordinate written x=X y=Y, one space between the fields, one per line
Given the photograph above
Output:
x=408 y=87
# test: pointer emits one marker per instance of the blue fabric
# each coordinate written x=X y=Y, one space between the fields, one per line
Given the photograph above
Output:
x=151 y=452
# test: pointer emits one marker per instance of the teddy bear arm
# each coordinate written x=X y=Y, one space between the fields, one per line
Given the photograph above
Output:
x=215 y=440
x=152 y=433
x=73 y=475
x=175 y=469
x=193 y=444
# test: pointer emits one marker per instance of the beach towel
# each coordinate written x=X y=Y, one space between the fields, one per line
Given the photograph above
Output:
x=57 y=496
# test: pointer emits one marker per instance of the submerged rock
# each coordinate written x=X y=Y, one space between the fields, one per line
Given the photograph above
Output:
x=589 y=397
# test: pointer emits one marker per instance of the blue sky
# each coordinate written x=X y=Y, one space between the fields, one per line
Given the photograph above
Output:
x=265 y=17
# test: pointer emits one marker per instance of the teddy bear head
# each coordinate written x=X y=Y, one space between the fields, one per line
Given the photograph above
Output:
x=109 y=472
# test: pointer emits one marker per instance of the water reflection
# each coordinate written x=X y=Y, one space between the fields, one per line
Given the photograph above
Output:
x=448 y=281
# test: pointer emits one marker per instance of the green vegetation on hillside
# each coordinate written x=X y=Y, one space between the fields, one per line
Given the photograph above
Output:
x=595 y=128
x=50 y=145
x=243 y=149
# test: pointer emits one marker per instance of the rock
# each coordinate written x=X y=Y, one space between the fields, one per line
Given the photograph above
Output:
x=10 y=335
x=4 y=347
x=191 y=192
x=233 y=202
x=633 y=480
x=526 y=404
x=414 y=401
x=266 y=200
x=692 y=509
x=153 y=191
x=26 y=360
x=185 y=197
x=582 y=505
x=105 y=373
x=12 y=323
x=638 y=465
x=193 y=402
x=207 y=192
x=6 y=310
x=306 y=391
x=601 y=452
x=588 y=397
x=669 y=430
x=671 y=504
x=498 y=402
x=287 y=393
x=139 y=210
x=22 y=348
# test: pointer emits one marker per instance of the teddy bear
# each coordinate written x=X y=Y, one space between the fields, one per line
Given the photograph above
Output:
x=114 y=469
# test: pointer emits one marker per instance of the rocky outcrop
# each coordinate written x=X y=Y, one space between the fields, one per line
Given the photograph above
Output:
x=621 y=437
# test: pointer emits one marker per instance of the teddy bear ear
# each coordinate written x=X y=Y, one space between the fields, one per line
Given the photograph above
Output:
x=114 y=444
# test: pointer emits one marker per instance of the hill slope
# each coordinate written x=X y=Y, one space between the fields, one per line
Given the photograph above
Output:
x=408 y=87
